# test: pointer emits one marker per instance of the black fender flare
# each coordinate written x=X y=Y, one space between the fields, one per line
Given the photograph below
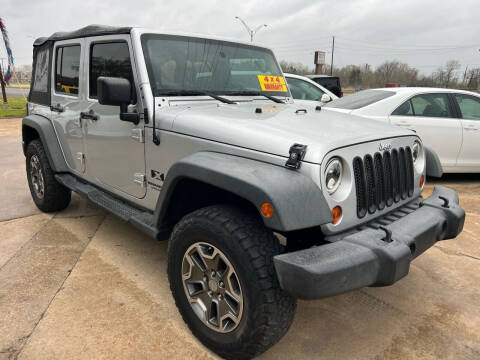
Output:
x=46 y=132
x=433 y=165
x=298 y=202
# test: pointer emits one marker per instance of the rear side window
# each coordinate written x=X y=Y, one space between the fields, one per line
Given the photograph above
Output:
x=425 y=105
x=469 y=106
x=109 y=59
x=360 y=99
x=67 y=66
x=405 y=109
x=431 y=105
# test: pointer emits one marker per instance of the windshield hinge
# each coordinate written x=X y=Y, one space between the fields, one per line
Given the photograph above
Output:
x=297 y=152
x=145 y=115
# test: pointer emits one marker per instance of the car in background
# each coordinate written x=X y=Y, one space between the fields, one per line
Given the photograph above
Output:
x=331 y=83
x=305 y=90
x=447 y=120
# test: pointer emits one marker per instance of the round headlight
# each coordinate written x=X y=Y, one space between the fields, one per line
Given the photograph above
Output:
x=418 y=157
x=416 y=148
x=333 y=175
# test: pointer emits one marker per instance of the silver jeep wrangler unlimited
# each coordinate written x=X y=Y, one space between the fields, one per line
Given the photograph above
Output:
x=197 y=140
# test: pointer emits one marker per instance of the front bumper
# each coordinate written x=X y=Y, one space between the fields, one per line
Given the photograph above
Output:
x=378 y=255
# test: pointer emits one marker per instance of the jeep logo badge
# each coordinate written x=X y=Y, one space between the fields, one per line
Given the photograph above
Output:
x=384 y=147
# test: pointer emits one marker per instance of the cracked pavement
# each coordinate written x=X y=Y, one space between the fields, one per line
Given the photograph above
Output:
x=83 y=284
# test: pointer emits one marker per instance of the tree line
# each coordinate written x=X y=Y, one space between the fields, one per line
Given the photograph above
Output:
x=450 y=75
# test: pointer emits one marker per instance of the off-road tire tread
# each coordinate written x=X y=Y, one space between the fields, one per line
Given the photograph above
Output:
x=56 y=196
x=277 y=309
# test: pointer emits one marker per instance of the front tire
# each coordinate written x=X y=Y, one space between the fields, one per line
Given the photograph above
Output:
x=47 y=193
x=236 y=247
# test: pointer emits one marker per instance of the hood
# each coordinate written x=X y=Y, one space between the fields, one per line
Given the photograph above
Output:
x=273 y=128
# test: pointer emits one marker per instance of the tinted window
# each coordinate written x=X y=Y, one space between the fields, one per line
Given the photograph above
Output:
x=404 y=110
x=431 y=105
x=67 y=66
x=328 y=82
x=303 y=90
x=469 y=106
x=109 y=59
x=360 y=99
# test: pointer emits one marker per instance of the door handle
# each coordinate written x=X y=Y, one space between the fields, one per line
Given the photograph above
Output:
x=89 y=115
x=471 y=128
x=57 y=108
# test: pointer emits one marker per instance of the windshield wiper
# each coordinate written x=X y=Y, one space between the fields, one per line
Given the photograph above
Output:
x=256 y=93
x=194 y=93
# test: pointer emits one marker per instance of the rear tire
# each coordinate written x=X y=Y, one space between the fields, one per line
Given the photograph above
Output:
x=47 y=193
x=266 y=311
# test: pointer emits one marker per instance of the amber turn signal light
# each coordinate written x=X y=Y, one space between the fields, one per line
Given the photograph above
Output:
x=422 y=181
x=337 y=214
x=267 y=209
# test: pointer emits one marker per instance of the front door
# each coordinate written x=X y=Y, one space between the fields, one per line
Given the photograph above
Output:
x=67 y=92
x=432 y=117
x=469 y=157
x=114 y=148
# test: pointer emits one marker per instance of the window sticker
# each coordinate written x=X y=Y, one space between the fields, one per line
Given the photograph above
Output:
x=272 y=83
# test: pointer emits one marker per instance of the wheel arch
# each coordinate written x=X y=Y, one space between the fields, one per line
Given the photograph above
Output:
x=214 y=177
x=38 y=127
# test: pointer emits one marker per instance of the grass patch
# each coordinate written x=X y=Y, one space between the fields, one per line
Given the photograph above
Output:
x=16 y=107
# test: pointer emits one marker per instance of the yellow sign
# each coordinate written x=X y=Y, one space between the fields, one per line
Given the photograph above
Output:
x=272 y=83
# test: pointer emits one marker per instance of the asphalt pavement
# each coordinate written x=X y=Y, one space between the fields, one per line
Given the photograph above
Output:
x=16 y=92
x=83 y=284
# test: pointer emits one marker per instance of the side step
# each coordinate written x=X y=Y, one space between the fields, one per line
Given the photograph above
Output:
x=143 y=220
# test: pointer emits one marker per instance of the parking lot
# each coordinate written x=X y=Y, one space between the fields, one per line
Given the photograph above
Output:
x=83 y=284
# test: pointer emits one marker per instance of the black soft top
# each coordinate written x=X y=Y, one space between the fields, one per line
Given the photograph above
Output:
x=90 y=30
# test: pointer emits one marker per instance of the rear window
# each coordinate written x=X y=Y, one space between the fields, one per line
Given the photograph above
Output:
x=328 y=82
x=360 y=99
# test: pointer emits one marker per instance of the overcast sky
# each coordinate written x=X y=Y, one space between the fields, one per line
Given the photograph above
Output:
x=423 y=33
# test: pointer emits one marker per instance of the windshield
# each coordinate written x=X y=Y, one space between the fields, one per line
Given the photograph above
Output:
x=179 y=63
x=360 y=99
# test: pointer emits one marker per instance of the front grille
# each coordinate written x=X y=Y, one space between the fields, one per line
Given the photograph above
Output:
x=382 y=180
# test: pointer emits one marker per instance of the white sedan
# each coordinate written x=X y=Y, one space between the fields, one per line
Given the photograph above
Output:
x=447 y=120
x=304 y=90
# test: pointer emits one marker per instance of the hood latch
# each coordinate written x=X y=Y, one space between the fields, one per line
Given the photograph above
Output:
x=297 y=152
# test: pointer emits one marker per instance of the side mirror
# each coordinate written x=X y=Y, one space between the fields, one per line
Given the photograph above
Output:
x=325 y=98
x=117 y=92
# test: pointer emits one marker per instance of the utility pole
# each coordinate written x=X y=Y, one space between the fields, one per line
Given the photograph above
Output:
x=250 y=31
x=333 y=49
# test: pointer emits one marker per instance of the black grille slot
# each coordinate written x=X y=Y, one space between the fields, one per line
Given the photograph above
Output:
x=403 y=173
x=395 y=176
x=387 y=161
x=370 y=180
x=359 y=175
x=409 y=168
x=383 y=179
x=379 y=180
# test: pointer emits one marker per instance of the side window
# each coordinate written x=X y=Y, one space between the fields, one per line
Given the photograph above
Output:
x=469 y=106
x=404 y=110
x=303 y=90
x=431 y=105
x=67 y=66
x=109 y=59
